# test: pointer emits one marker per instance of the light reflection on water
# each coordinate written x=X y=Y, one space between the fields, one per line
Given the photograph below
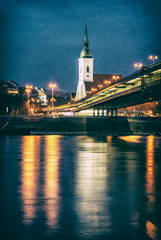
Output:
x=29 y=176
x=51 y=187
x=82 y=187
x=92 y=174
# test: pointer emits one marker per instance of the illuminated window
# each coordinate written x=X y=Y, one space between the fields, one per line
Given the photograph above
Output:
x=87 y=68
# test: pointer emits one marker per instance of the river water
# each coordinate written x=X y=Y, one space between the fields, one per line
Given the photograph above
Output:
x=80 y=187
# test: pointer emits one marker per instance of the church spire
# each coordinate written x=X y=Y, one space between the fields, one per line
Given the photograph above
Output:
x=86 y=37
x=86 y=53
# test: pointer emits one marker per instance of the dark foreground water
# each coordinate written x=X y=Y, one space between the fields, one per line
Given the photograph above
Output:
x=80 y=187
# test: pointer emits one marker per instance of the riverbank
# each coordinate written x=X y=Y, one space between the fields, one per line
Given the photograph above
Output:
x=26 y=125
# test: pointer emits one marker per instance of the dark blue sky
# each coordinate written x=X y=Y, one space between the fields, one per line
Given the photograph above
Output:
x=41 y=40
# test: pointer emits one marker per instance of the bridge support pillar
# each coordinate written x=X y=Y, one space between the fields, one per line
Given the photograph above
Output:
x=93 y=112
x=116 y=112
x=112 y=112
x=98 y=113
x=107 y=112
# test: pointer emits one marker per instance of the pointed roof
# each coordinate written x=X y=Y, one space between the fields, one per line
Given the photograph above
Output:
x=86 y=53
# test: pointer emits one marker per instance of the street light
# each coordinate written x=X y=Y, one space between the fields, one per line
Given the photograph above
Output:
x=28 y=90
x=115 y=77
x=33 y=100
x=151 y=57
x=52 y=85
x=138 y=65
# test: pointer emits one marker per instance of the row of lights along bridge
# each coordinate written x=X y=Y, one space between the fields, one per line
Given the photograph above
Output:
x=106 y=83
x=140 y=65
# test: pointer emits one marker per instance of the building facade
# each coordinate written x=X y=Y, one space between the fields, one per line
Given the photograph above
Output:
x=85 y=68
x=88 y=82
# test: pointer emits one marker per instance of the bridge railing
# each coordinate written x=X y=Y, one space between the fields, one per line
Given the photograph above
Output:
x=151 y=81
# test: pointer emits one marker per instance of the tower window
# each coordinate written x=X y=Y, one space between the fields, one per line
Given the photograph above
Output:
x=88 y=69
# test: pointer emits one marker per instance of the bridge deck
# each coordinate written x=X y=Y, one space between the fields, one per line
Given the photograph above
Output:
x=139 y=87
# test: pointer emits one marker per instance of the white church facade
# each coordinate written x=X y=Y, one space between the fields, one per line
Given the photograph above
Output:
x=85 y=68
x=87 y=80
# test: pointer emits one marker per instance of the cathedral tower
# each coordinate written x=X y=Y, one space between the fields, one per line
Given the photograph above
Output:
x=85 y=68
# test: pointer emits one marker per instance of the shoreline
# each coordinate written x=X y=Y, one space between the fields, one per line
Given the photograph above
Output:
x=105 y=126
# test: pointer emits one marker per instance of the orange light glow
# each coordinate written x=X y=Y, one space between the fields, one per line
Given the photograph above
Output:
x=151 y=230
x=150 y=164
x=138 y=65
x=132 y=139
x=152 y=57
x=150 y=112
x=52 y=85
x=29 y=86
x=29 y=175
x=115 y=77
x=51 y=188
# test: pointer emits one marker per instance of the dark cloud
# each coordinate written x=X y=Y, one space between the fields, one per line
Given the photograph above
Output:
x=42 y=40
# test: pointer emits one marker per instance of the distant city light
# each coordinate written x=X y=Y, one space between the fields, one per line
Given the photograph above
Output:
x=52 y=85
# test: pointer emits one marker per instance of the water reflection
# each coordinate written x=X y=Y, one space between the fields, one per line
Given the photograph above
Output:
x=29 y=176
x=92 y=185
x=80 y=187
x=151 y=230
x=39 y=178
x=150 y=187
x=131 y=138
x=51 y=187
x=150 y=165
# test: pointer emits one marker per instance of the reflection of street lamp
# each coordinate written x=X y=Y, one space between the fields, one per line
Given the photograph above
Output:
x=138 y=65
x=151 y=57
x=52 y=85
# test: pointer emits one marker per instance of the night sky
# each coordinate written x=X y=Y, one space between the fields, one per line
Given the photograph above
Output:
x=41 y=40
